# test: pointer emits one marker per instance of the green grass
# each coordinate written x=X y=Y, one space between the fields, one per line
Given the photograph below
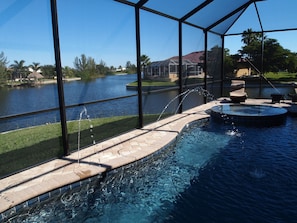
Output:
x=30 y=146
x=149 y=83
x=152 y=83
x=281 y=76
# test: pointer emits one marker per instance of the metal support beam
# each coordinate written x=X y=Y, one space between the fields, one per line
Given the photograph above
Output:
x=262 y=49
x=59 y=77
x=140 y=3
x=195 y=10
x=266 y=31
x=205 y=62
x=180 y=67
x=222 y=65
x=262 y=63
x=242 y=7
x=235 y=20
x=258 y=15
x=138 y=58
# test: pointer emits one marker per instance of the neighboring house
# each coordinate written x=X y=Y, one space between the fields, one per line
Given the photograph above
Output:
x=243 y=72
x=168 y=69
x=35 y=75
x=120 y=69
x=243 y=68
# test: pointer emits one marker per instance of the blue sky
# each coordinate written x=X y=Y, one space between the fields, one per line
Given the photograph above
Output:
x=274 y=14
x=105 y=30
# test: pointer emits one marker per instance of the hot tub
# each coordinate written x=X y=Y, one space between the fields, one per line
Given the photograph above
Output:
x=256 y=115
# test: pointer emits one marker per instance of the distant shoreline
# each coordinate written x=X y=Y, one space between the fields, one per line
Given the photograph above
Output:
x=39 y=82
x=53 y=81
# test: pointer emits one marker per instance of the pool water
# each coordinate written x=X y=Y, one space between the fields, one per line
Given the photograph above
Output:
x=214 y=173
x=253 y=179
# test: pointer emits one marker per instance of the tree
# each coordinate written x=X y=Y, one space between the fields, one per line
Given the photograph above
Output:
x=81 y=63
x=130 y=68
x=101 y=68
x=35 y=67
x=87 y=68
x=213 y=61
x=48 y=71
x=292 y=62
x=230 y=63
x=3 y=72
x=252 y=45
x=249 y=37
x=128 y=64
x=252 y=48
x=19 y=70
x=82 y=66
x=275 y=57
x=68 y=71
x=91 y=66
x=145 y=61
x=35 y=72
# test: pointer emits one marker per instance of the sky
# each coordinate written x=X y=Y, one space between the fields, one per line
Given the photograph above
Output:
x=105 y=30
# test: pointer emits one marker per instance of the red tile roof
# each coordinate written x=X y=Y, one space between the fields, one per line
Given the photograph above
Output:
x=195 y=57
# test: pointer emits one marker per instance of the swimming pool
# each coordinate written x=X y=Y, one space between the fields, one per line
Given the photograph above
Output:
x=214 y=173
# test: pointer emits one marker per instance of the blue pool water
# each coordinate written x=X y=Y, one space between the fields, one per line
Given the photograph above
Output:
x=214 y=173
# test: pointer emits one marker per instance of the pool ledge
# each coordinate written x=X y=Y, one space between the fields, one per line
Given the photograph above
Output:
x=30 y=184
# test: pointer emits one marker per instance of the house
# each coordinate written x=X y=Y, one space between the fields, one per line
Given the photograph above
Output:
x=35 y=75
x=243 y=72
x=168 y=69
x=243 y=68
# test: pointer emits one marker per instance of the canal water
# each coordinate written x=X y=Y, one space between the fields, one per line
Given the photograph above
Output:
x=15 y=101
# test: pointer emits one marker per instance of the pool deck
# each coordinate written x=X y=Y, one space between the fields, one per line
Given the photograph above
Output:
x=97 y=159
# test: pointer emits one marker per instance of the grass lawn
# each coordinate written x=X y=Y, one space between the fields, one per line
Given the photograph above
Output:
x=281 y=76
x=30 y=146
x=148 y=83
x=153 y=83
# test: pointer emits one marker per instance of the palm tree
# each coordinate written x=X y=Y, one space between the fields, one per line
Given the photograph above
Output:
x=19 y=69
x=35 y=67
x=145 y=61
x=249 y=36
x=35 y=71
x=254 y=43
